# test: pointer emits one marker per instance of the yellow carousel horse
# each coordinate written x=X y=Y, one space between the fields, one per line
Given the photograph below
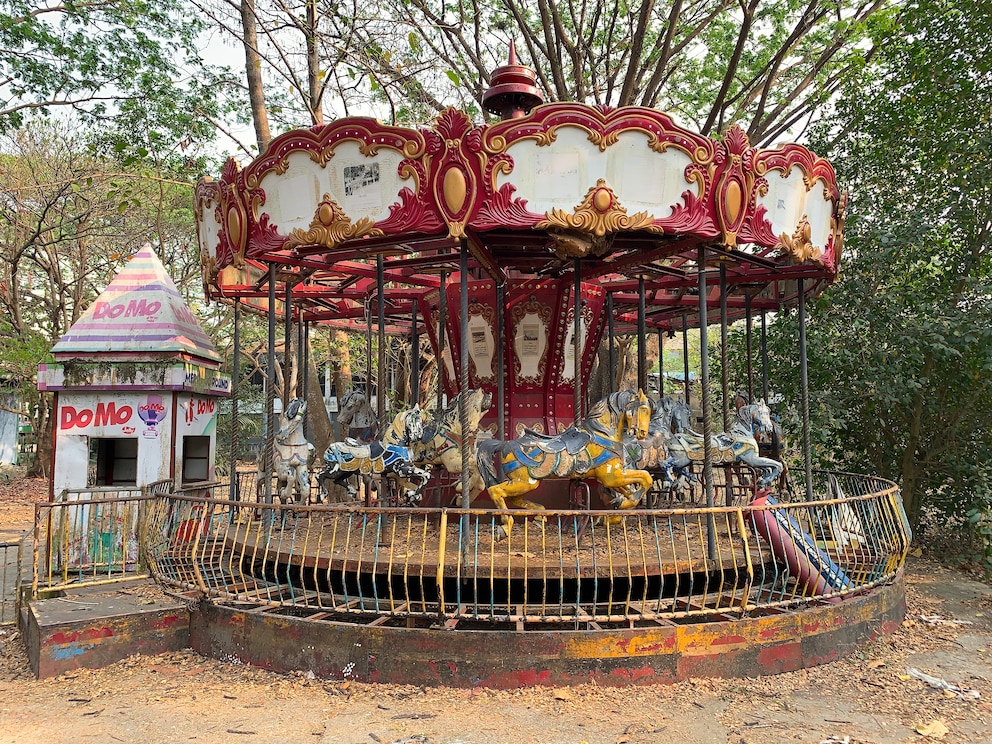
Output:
x=592 y=449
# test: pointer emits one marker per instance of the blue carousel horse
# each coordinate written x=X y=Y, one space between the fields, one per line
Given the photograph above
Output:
x=441 y=440
x=737 y=444
x=344 y=460
x=592 y=449
x=669 y=416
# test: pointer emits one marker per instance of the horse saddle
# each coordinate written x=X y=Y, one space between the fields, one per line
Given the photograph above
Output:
x=352 y=449
x=571 y=440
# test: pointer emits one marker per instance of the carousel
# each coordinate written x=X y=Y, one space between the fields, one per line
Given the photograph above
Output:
x=517 y=528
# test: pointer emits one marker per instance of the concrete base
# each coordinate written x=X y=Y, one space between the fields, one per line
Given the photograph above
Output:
x=774 y=642
x=93 y=630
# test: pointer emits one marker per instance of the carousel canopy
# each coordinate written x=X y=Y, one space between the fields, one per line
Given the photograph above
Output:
x=619 y=195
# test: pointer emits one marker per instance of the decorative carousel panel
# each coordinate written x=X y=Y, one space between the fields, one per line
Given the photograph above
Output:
x=531 y=310
x=208 y=228
x=328 y=184
x=597 y=171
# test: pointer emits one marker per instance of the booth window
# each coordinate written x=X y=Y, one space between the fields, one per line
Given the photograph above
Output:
x=113 y=462
x=196 y=459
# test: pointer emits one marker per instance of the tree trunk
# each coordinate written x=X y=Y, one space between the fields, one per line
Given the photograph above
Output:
x=253 y=75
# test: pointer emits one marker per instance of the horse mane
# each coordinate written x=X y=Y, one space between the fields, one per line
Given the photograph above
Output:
x=614 y=404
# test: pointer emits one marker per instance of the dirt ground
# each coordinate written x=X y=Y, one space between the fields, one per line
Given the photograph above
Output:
x=874 y=696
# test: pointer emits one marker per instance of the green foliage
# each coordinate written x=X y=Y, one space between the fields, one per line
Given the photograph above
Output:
x=900 y=350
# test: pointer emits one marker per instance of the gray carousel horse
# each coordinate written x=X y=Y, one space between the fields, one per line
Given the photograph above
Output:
x=669 y=416
x=356 y=417
x=292 y=455
x=345 y=460
x=737 y=444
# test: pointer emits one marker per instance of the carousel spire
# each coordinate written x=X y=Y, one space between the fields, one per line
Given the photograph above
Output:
x=512 y=91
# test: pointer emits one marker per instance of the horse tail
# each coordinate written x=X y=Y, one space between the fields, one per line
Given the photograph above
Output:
x=484 y=454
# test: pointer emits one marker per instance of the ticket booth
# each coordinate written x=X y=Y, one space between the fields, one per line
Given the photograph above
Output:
x=136 y=384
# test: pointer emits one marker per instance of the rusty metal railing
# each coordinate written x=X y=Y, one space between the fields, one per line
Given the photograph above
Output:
x=394 y=565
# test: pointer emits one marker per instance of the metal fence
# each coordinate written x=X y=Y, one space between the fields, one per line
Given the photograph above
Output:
x=395 y=565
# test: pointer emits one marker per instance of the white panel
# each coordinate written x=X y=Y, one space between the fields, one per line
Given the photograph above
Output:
x=785 y=201
x=559 y=175
x=209 y=229
x=818 y=211
x=361 y=186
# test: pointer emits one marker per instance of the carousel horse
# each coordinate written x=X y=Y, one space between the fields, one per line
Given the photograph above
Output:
x=669 y=416
x=441 y=441
x=736 y=444
x=356 y=417
x=292 y=454
x=344 y=460
x=592 y=449
x=771 y=443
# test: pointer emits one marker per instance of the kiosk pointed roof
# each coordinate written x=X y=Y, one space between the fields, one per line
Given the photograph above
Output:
x=139 y=315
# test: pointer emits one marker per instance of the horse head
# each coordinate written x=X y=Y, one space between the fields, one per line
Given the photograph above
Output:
x=639 y=415
x=351 y=402
x=296 y=407
x=413 y=423
x=681 y=417
x=761 y=417
x=477 y=402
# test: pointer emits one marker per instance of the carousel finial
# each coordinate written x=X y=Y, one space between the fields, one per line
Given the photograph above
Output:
x=512 y=91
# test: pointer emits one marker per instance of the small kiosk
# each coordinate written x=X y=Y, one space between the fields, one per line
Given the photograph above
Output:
x=136 y=382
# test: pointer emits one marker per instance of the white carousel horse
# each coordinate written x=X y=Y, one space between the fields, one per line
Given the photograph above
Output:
x=292 y=454
x=736 y=444
x=441 y=442
x=356 y=417
x=594 y=448
x=344 y=460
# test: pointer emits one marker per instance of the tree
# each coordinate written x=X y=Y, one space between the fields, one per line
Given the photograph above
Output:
x=900 y=349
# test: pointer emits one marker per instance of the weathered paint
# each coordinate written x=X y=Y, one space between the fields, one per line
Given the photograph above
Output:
x=751 y=646
x=108 y=630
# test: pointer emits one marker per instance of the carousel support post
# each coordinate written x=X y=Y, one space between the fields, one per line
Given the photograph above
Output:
x=804 y=387
x=661 y=362
x=414 y=358
x=685 y=357
x=704 y=378
x=368 y=350
x=612 y=341
x=577 y=343
x=724 y=384
x=642 y=352
x=442 y=316
x=235 y=391
x=301 y=352
x=270 y=399
x=380 y=366
x=500 y=371
x=764 y=357
x=462 y=398
x=747 y=344
x=287 y=338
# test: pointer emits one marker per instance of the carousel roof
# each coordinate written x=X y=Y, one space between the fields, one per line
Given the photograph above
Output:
x=619 y=195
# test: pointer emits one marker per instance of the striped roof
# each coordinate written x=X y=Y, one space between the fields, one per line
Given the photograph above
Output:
x=141 y=312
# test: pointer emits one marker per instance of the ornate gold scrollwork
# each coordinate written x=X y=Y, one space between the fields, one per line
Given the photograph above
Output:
x=588 y=229
x=800 y=245
x=331 y=226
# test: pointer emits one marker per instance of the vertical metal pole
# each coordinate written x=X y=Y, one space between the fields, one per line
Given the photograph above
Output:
x=764 y=358
x=462 y=397
x=724 y=384
x=685 y=356
x=612 y=340
x=500 y=367
x=642 y=352
x=301 y=352
x=368 y=351
x=577 y=344
x=235 y=392
x=270 y=394
x=380 y=368
x=414 y=358
x=747 y=343
x=661 y=362
x=442 y=313
x=704 y=377
x=287 y=351
x=804 y=387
